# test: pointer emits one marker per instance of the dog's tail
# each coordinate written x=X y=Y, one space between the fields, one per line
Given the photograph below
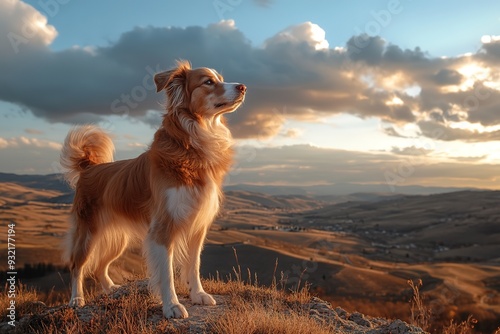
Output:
x=84 y=146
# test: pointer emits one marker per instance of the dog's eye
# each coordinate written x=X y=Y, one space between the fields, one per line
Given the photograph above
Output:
x=209 y=82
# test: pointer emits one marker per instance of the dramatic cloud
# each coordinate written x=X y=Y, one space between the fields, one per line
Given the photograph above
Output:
x=296 y=70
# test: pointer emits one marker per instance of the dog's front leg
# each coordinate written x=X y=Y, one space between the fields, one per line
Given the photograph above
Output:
x=191 y=272
x=160 y=265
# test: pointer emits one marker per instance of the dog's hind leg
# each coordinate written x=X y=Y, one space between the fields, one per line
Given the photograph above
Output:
x=79 y=254
x=110 y=248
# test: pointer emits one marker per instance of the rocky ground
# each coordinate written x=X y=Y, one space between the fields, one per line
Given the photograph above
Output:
x=131 y=308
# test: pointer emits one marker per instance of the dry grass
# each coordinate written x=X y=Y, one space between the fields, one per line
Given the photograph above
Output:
x=127 y=313
x=250 y=309
x=465 y=327
x=26 y=300
x=420 y=314
x=256 y=309
x=265 y=316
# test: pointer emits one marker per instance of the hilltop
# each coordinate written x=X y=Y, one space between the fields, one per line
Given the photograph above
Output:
x=240 y=309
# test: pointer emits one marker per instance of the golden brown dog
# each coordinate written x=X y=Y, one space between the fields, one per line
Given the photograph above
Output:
x=168 y=196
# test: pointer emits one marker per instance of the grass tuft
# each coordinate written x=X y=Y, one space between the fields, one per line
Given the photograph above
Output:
x=420 y=314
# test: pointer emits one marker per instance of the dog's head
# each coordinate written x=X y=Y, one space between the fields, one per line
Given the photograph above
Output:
x=201 y=90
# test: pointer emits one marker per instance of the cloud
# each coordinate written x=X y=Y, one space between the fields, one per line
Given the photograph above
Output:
x=366 y=48
x=33 y=131
x=410 y=150
x=447 y=77
x=391 y=131
x=296 y=68
x=306 y=165
x=306 y=33
x=136 y=145
x=439 y=131
x=28 y=143
x=491 y=48
x=23 y=26
x=29 y=155
x=4 y=143
x=470 y=159
x=288 y=165
x=309 y=165
x=292 y=133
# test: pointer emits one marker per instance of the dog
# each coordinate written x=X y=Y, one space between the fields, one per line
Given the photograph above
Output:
x=167 y=197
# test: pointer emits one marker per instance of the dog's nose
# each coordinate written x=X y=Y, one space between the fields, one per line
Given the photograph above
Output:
x=242 y=88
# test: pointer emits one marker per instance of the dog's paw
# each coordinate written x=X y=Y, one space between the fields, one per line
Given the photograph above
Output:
x=175 y=311
x=202 y=298
x=77 y=302
x=111 y=288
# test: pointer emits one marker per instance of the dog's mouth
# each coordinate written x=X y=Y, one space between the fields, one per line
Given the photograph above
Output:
x=220 y=105
x=225 y=104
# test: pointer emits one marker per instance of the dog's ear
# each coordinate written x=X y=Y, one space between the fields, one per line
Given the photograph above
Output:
x=174 y=82
x=163 y=79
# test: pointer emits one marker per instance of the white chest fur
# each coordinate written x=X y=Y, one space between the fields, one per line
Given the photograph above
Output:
x=193 y=205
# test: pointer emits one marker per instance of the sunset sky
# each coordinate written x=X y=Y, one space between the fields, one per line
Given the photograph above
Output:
x=396 y=92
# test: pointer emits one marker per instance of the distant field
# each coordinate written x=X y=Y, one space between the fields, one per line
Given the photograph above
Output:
x=357 y=254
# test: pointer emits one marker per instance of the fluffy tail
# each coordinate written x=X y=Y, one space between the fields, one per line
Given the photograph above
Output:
x=84 y=146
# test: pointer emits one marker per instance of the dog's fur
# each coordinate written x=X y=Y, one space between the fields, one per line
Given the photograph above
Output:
x=167 y=196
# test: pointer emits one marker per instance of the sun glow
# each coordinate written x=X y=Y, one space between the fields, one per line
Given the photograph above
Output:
x=474 y=127
x=47 y=32
x=394 y=82
x=395 y=101
x=473 y=72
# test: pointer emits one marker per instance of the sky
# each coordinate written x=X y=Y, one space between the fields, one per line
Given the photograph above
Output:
x=369 y=92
